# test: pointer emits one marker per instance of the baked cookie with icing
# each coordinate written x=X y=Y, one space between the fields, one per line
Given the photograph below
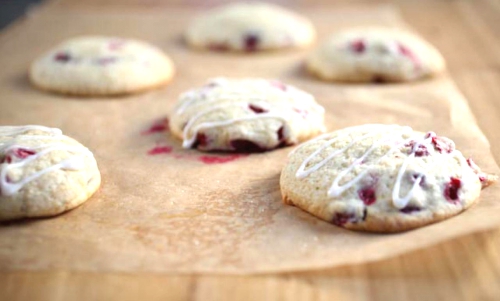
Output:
x=381 y=178
x=43 y=172
x=375 y=55
x=100 y=66
x=250 y=27
x=245 y=115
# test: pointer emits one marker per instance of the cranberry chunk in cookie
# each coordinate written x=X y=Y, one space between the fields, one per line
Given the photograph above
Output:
x=381 y=178
x=98 y=65
x=43 y=172
x=245 y=115
x=250 y=27
x=375 y=55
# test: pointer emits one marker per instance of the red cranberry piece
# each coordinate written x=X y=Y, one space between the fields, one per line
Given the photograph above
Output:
x=201 y=140
x=257 y=109
x=251 y=41
x=245 y=146
x=429 y=135
x=367 y=195
x=358 y=46
x=409 y=54
x=421 y=150
x=410 y=209
x=62 y=57
x=443 y=145
x=23 y=153
x=482 y=179
x=7 y=159
x=340 y=219
x=451 y=190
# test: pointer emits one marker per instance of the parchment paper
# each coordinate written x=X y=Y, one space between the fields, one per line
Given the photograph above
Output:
x=168 y=211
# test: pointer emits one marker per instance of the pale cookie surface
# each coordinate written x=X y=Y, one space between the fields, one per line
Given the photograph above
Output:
x=381 y=178
x=250 y=27
x=245 y=115
x=43 y=172
x=375 y=55
x=97 y=65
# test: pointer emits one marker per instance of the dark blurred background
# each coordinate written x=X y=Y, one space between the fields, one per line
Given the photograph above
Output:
x=12 y=9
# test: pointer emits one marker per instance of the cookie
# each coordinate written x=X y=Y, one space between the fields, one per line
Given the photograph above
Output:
x=375 y=55
x=250 y=27
x=43 y=172
x=381 y=178
x=245 y=115
x=100 y=66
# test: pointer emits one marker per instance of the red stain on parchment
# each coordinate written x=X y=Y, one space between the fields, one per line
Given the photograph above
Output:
x=161 y=125
x=158 y=126
x=157 y=150
x=218 y=160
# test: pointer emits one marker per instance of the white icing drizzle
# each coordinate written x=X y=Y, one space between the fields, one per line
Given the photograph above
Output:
x=401 y=202
x=235 y=98
x=336 y=190
x=14 y=142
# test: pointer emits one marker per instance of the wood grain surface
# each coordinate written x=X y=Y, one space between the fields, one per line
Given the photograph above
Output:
x=467 y=268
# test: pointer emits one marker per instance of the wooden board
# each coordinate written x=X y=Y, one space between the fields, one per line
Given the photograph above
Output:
x=466 y=268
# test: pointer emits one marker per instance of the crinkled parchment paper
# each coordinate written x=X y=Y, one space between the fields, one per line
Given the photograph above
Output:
x=170 y=212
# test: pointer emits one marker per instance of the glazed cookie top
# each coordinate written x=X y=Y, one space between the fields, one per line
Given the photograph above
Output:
x=389 y=173
x=375 y=54
x=237 y=114
x=41 y=167
x=98 y=65
x=250 y=27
